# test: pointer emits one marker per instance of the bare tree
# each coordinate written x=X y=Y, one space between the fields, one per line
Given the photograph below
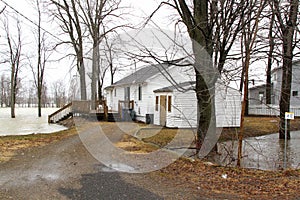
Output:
x=72 y=89
x=59 y=91
x=270 y=59
x=42 y=57
x=110 y=55
x=101 y=76
x=5 y=90
x=67 y=13
x=96 y=14
x=286 y=14
x=249 y=34
x=213 y=27
x=14 y=45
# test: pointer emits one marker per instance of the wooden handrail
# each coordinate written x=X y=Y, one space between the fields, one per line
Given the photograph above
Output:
x=58 y=111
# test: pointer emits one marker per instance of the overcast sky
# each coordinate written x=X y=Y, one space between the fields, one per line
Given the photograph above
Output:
x=55 y=70
x=61 y=70
x=26 y=12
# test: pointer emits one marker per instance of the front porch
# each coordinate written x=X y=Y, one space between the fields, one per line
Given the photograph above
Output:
x=97 y=110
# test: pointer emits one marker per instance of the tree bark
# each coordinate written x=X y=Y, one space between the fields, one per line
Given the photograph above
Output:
x=287 y=27
x=81 y=71
x=12 y=92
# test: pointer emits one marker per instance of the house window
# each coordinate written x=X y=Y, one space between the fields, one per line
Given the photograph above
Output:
x=169 y=103
x=156 y=103
x=127 y=94
x=294 y=93
x=140 y=92
x=115 y=92
x=261 y=96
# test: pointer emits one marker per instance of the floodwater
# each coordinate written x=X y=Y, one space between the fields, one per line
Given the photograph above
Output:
x=264 y=152
x=27 y=122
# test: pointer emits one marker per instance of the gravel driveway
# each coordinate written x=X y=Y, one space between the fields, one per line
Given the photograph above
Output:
x=63 y=170
x=66 y=170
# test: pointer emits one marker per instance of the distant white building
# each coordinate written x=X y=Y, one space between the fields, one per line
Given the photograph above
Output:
x=164 y=94
x=257 y=94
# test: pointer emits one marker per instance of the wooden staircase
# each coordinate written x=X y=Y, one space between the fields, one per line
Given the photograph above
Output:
x=63 y=113
x=83 y=109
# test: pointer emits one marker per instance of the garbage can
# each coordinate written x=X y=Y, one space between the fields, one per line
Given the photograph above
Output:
x=149 y=118
x=132 y=114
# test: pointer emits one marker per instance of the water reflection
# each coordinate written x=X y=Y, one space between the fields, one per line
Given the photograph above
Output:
x=265 y=152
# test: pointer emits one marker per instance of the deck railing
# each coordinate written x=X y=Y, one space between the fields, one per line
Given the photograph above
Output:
x=79 y=108
x=59 y=114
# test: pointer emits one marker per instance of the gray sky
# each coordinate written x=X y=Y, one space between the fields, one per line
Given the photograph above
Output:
x=61 y=70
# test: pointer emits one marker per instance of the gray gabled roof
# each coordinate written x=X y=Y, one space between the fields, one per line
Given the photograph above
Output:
x=143 y=74
x=179 y=86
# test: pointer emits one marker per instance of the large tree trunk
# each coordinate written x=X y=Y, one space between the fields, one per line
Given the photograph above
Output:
x=12 y=92
x=285 y=91
x=205 y=77
x=285 y=97
x=112 y=73
x=81 y=70
x=287 y=65
x=100 y=96
x=39 y=100
x=95 y=72
x=206 y=129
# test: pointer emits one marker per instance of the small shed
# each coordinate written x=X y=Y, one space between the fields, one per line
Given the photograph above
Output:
x=176 y=106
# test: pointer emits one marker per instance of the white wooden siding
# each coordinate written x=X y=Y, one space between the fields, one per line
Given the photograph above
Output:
x=184 y=105
x=184 y=109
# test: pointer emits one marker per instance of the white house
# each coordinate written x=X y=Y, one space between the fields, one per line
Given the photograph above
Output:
x=176 y=106
x=165 y=95
x=257 y=94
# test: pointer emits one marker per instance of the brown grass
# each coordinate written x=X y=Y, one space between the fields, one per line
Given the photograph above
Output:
x=239 y=183
x=133 y=145
x=165 y=135
x=10 y=144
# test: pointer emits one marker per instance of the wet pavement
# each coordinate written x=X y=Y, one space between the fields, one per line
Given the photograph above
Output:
x=64 y=170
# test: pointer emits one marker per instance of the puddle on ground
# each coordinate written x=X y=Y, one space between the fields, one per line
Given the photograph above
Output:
x=115 y=167
x=264 y=152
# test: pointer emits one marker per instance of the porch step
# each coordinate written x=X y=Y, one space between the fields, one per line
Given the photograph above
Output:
x=114 y=117
x=66 y=116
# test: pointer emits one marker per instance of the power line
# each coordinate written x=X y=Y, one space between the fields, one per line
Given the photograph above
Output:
x=34 y=23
